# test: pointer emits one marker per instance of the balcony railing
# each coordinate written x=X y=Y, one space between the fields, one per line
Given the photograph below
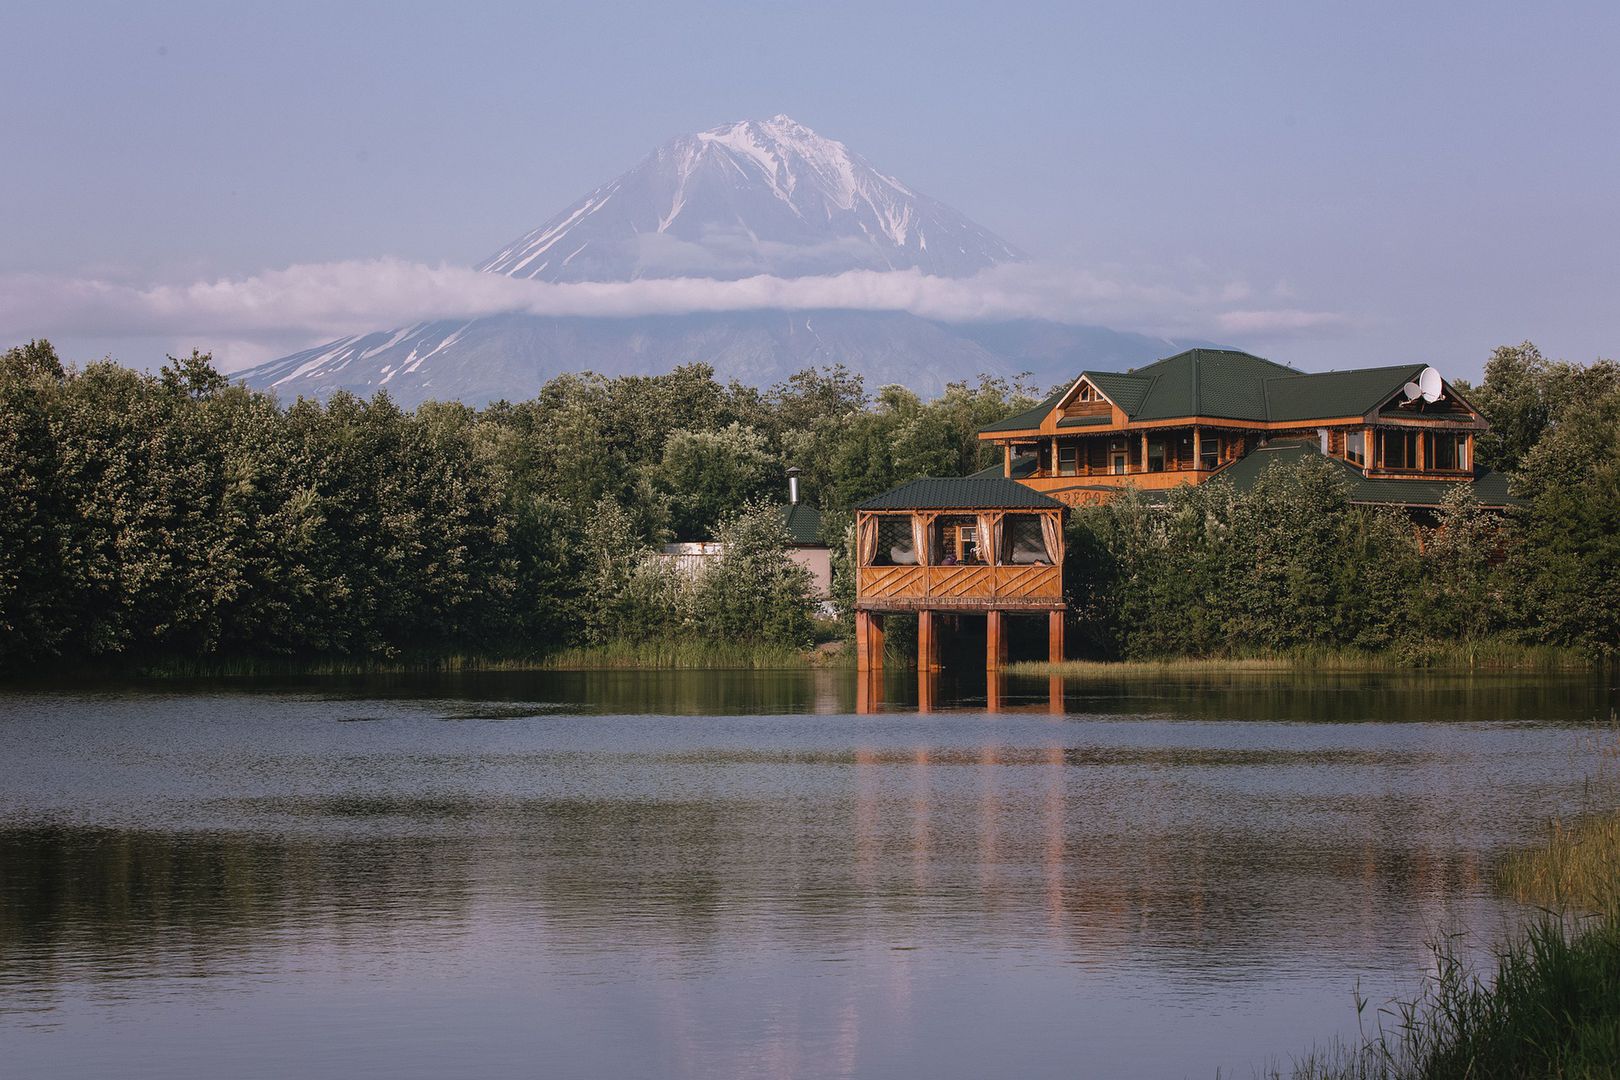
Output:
x=945 y=587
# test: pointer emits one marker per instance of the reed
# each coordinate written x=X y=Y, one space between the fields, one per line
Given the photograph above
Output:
x=1484 y=656
x=1577 y=868
x=1550 y=1009
x=679 y=654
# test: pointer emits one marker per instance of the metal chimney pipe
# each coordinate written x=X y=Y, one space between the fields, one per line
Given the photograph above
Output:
x=793 y=485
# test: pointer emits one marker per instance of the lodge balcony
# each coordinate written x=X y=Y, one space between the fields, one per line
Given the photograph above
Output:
x=1146 y=459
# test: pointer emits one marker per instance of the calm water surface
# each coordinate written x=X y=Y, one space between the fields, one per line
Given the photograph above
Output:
x=737 y=875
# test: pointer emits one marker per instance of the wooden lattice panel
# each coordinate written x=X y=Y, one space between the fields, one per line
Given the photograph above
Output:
x=951 y=582
x=893 y=582
x=1039 y=582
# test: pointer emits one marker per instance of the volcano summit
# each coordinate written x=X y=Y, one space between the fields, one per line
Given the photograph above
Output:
x=768 y=197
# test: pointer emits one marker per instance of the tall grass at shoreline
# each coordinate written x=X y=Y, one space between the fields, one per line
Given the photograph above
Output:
x=659 y=654
x=1551 y=1008
x=1486 y=656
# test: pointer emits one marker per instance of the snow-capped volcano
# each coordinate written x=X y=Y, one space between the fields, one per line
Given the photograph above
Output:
x=753 y=197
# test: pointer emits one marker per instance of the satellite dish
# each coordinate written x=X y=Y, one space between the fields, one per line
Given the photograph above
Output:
x=1413 y=390
x=1430 y=385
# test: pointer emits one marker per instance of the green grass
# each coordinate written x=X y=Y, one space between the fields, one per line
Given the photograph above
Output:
x=1489 y=656
x=679 y=655
x=1550 y=1009
x=1577 y=868
x=659 y=655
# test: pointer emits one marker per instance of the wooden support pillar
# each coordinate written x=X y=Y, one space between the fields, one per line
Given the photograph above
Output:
x=868 y=692
x=1144 y=466
x=1418 y=440
x=927 y=683
x=1054 y=636
x=1006 y=467
x=868 y=641
x=1054 y=469
x=1198 y=450
x=927 y=645
x=995 y=641
x=1054 y=694
x=993 y=690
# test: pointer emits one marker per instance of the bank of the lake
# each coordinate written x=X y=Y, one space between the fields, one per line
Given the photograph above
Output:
x=1483 y=656
x=1550 y=1006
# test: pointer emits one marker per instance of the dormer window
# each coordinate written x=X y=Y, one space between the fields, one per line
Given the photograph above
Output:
x=1355 y=448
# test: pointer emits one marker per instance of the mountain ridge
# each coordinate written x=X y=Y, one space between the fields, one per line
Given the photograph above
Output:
x=731 y=202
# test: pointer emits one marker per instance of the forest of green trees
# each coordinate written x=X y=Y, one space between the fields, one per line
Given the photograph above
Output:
x=150 y=518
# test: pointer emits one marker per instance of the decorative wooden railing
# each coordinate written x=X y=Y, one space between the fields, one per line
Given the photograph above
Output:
x=959 y=586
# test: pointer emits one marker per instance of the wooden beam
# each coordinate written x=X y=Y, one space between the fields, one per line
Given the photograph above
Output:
x=1198 y=447
x=927 y=645
x=863 y=640
x=995 y=640
x=1144 y=467
x=1054 y=636
x=1006 y=468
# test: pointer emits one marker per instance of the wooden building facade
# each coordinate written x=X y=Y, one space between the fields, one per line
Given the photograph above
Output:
x=964 y=546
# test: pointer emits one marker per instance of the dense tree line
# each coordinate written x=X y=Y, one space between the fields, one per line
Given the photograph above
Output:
x=1291 y=563
x=147 y=517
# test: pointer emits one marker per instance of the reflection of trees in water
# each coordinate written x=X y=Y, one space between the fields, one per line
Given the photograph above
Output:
x=1206 y=857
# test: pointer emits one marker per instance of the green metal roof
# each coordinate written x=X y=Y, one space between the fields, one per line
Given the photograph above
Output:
x=1490 y=488
x=803 y=524
x=961 y=493
x=1229 y=385
x=1207 y=382
x=1029 y=418
x=1335 y=393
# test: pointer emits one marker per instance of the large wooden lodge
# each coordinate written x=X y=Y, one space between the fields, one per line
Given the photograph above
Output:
x=992 y=543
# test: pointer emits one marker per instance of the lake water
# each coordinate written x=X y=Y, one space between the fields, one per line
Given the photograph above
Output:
x=740 y=875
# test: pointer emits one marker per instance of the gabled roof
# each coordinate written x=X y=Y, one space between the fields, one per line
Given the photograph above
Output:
x=1029 y=418
x=1490 y=488
x=1229 y=385
x=961 y=493
x=1335 y=393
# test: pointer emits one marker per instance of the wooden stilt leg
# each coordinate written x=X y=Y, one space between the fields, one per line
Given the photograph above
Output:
x=1055 y=636
x=927 y=648
x=995 y=641
x=874 y=640
x=863 y=634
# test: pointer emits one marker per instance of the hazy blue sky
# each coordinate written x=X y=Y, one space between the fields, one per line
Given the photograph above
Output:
x=1438 y=178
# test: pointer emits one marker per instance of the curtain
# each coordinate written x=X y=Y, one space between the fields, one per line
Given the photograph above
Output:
x=919 y=539
x=989 y=542
x=868 y=540
x=1051 y=532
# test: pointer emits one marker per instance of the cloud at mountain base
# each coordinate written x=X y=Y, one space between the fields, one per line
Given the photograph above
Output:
x=315 y=301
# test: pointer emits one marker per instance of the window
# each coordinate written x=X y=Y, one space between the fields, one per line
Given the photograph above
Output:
x=1447 y=451
x=1068 y=459
x=1209 y=450
x=1397 y=450
x=1023 y=541
x=895 y=546
x=956 y=541
x=1355 y=448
